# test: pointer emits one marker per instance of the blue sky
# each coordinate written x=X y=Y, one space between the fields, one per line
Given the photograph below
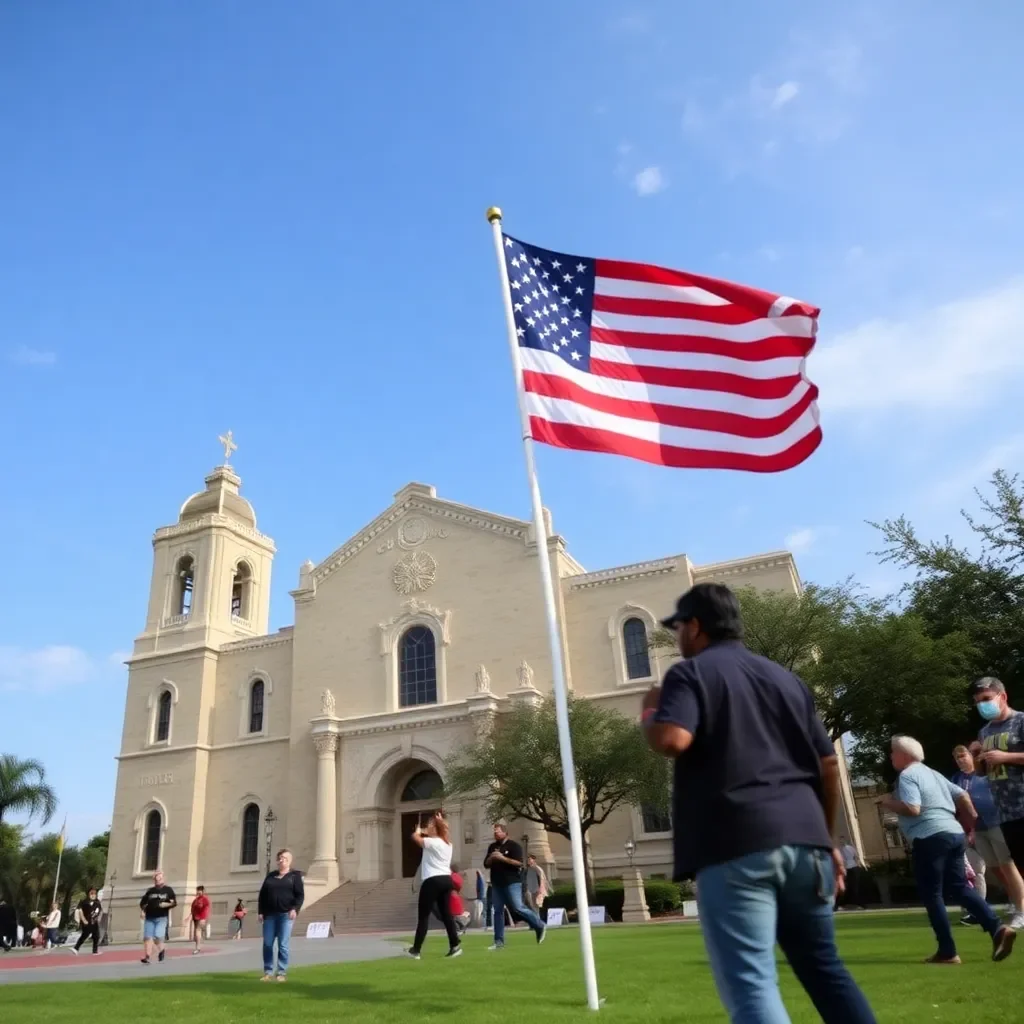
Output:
x=269 y=217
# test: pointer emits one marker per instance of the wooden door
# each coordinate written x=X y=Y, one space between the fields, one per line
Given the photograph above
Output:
x=411 y=853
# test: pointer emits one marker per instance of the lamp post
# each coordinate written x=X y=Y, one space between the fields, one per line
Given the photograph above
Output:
x=630 y=850
x=110 y=910
x=268 y=827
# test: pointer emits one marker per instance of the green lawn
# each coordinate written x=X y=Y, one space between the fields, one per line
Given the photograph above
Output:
x=647 y=975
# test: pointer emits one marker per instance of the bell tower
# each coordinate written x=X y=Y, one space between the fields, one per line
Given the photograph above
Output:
x=211 y=570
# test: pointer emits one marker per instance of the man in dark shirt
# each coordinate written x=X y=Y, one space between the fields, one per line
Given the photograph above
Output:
x=89 y=911
x=156 y=905
x=505 y=859
x=755 y=796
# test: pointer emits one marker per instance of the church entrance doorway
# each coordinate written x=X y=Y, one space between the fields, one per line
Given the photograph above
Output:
x=420 y=798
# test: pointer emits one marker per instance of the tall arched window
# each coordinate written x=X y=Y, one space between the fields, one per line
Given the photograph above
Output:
x=256 y=706
x=634 y=644
x=151 y=849
x=184 y=584
x=241 y=591
x=163 y=717
x=250 y=834
x=417 y=668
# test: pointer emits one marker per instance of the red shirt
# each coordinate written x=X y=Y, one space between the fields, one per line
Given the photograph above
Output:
x=455 y=900
x=200 y=908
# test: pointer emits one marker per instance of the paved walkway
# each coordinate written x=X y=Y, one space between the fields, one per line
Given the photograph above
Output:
x=116 y=962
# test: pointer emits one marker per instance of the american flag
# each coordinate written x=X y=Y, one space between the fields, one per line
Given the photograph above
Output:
x=662 y=365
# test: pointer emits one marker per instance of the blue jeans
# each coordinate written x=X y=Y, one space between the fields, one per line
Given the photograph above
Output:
x=511 y=896
x=782 y=895
x=939 y=872
x=276 y=926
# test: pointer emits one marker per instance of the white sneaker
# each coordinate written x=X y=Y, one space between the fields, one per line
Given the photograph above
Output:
x=497 y=945
x=75 y=951
x=1017 y=921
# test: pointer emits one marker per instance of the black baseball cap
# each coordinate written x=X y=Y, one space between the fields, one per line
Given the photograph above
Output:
x=714 y=605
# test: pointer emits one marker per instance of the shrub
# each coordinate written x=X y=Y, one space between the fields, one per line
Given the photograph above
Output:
x=663 y=897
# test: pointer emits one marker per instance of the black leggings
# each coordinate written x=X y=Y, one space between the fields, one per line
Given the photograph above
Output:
x=89 y=931
x=435 y=895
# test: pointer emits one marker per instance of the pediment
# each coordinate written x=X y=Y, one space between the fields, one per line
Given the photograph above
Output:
x=418 y=515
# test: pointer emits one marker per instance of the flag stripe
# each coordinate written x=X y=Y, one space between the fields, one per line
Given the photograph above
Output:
x=777 y=387
x=670 y=305
x=769 y=348
x=628 y=288
x=758 y=369
x=536 y=363
x=564 y=435
x=721 y=421
x=752 y=330
x=559 y=410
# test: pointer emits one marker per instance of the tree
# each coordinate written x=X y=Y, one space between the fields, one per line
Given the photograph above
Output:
x=517 y=767
x=981 y=595
x=23 y=788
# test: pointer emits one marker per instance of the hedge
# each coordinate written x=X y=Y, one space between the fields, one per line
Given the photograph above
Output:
x=663 y=897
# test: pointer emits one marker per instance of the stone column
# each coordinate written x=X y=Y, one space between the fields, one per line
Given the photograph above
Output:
x=634 y=905
x=325 y=863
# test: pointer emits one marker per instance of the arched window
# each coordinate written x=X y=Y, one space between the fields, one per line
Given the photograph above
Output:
x=634 y=644
x=256 y=706
x=250 y=834
x=417 y=668
x=151 y=849
x=424 y=785
x=163 y=716
x=184 y=584
x=241 y=591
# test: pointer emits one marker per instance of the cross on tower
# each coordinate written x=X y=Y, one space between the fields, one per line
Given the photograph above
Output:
x=229 y=445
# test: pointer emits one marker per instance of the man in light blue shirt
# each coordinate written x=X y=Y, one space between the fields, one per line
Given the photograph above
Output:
x=927 y=805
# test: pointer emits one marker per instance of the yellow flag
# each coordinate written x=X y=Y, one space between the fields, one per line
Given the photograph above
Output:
x=63 y=835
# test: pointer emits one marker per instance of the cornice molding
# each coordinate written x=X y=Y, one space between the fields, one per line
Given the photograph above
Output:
x=214 y=519
x=255 y=643
x=742 y=566
x=623 y=574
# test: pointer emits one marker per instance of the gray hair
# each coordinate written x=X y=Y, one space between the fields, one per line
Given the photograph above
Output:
x=909 y=746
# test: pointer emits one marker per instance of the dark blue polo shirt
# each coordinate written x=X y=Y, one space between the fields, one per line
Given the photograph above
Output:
x=751 y=780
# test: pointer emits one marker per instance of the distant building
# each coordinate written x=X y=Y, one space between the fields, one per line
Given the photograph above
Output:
x=407 y=641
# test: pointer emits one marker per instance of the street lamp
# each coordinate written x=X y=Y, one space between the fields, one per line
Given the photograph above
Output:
x=110 y=909
x=630 y=850
x=268 y=827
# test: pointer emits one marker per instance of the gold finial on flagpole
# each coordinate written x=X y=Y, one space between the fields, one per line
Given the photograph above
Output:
x=493 y=214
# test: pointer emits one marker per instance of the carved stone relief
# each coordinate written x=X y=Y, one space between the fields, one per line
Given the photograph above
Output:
x=415 y=572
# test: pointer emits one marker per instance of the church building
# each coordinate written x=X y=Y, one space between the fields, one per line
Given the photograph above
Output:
x=330 y=735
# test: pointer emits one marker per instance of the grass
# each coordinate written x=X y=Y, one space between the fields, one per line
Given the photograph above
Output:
x=646 y=974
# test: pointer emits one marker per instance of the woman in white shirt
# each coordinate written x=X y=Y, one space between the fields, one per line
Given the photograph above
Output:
x=435 y=883
x=52 y=926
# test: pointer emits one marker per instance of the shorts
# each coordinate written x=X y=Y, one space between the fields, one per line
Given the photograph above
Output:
x=1013 y=833
x=155 y=928
x=991 y=846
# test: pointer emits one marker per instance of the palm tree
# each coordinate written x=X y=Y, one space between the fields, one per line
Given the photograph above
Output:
x=23 y=788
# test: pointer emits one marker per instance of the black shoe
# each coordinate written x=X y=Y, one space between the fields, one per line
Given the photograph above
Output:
x=413 y=954
x=968 y=920
x=1002 y=943
x=163 y=953
x=455 y=951
x=146 y=960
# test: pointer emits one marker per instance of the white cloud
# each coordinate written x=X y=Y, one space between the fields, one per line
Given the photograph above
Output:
x=649 y=181
x=25 y=356
x=47 y=668
x=784 y=94
x=801 y=540
x=938 y=360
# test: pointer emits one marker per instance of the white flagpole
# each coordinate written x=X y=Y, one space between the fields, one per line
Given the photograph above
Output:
x=60 y=855
x=554 y=636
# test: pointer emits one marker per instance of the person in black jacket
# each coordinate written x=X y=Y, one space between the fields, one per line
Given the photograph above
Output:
x=280 y=901
x=89 y=912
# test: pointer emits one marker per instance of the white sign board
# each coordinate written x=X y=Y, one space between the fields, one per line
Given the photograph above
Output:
x=690 y=908
x=556 y=917
x=318 y=930
x=597 y=915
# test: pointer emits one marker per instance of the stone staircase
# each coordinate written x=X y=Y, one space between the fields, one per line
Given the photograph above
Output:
x=365 y=907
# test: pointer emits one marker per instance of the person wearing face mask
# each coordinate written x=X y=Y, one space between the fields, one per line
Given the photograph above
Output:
x=1000 y=752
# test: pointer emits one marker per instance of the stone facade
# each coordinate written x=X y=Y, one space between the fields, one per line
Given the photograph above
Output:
x=224 y=722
